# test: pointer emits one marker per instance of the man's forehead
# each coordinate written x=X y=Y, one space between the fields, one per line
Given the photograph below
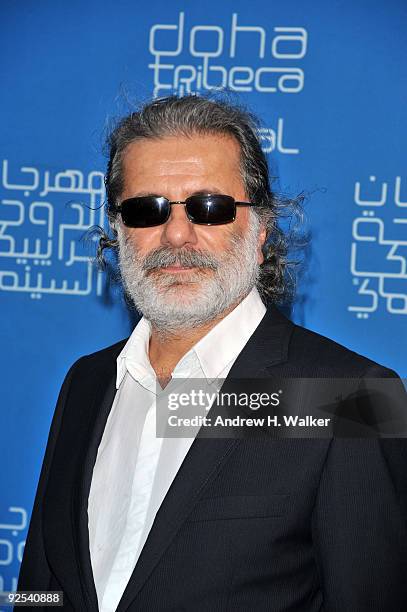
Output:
x=165 y=165
x=179 y=154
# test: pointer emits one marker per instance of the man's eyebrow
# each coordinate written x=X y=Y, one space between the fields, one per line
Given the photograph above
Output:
x=142 y=194
x=204 y=191
x=207 y=190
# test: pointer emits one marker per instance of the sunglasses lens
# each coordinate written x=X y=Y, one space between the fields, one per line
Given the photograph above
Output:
x=145 y=211
x=211 y=210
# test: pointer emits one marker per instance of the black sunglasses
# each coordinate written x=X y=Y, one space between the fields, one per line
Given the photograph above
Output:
x=210 y=209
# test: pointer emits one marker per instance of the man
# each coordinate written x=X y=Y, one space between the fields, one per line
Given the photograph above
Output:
x=126 y=520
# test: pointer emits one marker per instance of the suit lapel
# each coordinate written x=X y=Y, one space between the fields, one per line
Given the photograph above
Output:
x=267 y=347
x=203 y=461
x=103 y=404
x=65 y=523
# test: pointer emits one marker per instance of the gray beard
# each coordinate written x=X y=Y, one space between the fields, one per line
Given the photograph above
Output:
x=173 y=304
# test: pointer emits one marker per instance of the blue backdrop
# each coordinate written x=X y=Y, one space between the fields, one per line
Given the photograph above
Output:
x=328 y=80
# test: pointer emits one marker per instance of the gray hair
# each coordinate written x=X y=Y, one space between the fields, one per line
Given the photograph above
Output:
x=191 y=115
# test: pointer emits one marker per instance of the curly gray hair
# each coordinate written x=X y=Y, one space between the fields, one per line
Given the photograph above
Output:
x=190 y=115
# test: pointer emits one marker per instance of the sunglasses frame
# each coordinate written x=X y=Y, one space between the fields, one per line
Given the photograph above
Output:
x=118 y=208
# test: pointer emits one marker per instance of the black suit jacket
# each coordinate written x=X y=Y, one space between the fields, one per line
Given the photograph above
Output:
x=248 y=524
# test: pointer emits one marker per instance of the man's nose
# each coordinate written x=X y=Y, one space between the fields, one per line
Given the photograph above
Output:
x=178 y=230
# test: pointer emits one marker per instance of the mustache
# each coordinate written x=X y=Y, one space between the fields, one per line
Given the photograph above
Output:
x=187 y=258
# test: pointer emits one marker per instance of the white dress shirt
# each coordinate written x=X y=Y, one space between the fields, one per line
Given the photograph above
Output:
x=134 y=468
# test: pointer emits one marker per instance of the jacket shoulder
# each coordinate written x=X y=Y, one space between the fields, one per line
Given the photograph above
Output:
x=328 y=357
x=101 y=357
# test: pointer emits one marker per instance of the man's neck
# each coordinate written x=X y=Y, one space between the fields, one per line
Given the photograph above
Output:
x=165 y=350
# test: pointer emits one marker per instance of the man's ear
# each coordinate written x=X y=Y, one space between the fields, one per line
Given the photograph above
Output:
x=260 y=244
x=113 y=223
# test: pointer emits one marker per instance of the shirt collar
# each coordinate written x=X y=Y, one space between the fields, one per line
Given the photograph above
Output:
x=134 y=355
x=215 y=351
x=223 y=343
